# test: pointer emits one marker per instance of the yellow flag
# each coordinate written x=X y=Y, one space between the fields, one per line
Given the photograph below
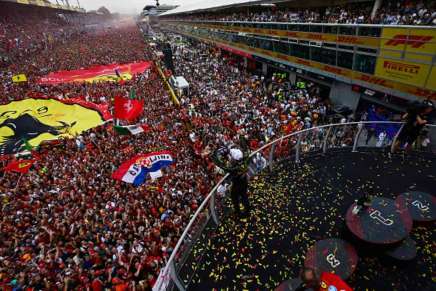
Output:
x=19 y=78
x=32 y=121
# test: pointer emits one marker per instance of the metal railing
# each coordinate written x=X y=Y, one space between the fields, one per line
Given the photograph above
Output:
x=321 y=139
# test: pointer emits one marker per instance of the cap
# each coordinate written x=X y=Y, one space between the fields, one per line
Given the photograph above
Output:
x=427 y=103
x=236 y=154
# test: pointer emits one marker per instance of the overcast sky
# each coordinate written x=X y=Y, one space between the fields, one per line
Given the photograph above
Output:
x=124 y=6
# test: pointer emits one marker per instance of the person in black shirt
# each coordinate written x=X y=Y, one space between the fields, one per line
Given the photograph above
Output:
x=415 y=122
x=237 y=167
x=309 y=280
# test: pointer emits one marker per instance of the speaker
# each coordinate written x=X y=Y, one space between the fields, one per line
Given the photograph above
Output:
x=168 y=56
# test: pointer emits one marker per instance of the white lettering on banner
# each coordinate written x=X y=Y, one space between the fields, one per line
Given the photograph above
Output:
x=375 y=214
x=331 y=259
x=131 y=174
x=149 y=161
x=134 y=170
x=421 y=206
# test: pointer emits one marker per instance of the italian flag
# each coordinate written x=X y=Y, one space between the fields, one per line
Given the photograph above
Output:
x=131 y=129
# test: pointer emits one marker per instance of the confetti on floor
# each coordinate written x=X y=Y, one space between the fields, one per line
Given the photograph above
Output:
x=297 y=205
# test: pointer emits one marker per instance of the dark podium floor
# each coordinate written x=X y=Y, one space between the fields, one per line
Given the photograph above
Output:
x=297 y=205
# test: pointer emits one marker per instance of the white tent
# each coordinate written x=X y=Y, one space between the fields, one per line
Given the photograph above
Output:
x=181 y=82
x=180 y=85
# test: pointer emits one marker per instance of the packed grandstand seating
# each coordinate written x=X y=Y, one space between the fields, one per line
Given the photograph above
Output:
x=67 y=223
x=403 y=12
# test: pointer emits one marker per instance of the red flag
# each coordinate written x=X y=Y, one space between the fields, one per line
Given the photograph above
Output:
x=4 y=158
x=128 y=109
x=22 y=166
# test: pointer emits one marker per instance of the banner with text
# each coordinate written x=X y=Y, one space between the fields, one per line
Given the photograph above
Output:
x=108 y=73
x=416 y=40
x=402 y=71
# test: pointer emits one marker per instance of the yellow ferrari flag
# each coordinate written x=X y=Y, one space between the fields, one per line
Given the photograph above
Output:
x=19 y=78
x=26 y=123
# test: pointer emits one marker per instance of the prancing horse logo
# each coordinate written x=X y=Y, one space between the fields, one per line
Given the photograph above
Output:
x=25 y=128
x=35 y=120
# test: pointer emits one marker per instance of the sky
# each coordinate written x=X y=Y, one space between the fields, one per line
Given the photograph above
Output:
x=125 y=6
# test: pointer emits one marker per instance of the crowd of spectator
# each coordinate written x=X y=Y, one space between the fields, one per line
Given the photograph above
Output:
x=67 y=224
x=41 y=30
x=403 y=12
x=407 y=12
x=228 y=104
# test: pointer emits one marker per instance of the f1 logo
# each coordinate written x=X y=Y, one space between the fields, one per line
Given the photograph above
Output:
x=414 y=41
x=421 y=206
x=375 y=214
x=331 y=259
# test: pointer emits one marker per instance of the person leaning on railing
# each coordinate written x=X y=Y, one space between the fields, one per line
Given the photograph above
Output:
x=415 y=122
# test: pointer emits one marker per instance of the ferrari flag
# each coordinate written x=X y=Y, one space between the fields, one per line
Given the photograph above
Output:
x=22 y=166
x=31 y=121
x=108 y=73
x=127 y=109
x=135 y=170
x=19 y=78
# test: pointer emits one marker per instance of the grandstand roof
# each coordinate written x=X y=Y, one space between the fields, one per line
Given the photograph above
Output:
x=210 y=4
x=45 y=3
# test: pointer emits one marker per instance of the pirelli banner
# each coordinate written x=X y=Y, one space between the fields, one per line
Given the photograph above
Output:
x=402 y=71
x=406 y=55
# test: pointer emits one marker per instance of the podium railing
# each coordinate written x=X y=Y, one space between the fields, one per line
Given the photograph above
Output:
x=348 y=136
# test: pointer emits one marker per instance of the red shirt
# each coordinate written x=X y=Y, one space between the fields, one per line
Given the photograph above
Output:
x=330 y=279
x=96 y=285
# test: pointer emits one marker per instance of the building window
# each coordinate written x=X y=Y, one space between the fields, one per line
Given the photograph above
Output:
x=300 y=51
x=315 y=28
x=281 y=27
x=281 y=47
x=369 y=31
x=330 y=29
x=348 y=30
x=345 y=60
x=328 y=57
x=265 y=44
x=365 y=64
x=303 y=27
x=315 y=54
x=323 y=55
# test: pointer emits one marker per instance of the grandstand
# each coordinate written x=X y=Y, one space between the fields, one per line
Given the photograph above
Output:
x=47 y=4
x=236 y=145
x=349 y=59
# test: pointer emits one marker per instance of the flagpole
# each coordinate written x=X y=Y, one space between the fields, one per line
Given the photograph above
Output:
x=18 y=182
x=4 y=175
x=4 y=164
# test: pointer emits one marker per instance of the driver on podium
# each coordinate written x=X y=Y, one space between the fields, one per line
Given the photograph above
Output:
x=238 y=175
